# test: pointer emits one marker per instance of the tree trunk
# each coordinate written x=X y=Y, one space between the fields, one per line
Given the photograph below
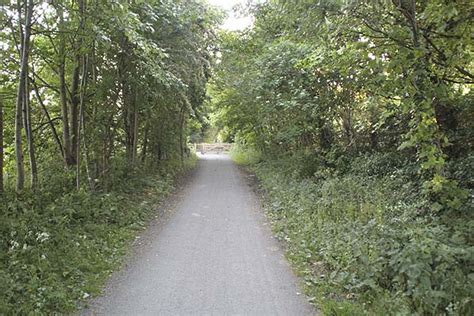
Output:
x=181 y=136
x=447 y=119
x=348 y=129
x=135 y=132
x=48 y=117
x=78 y=122
x=78 y=84
x=1 y=145
x=81 y=126
x=29 y=134
x=68 y=158
x=75 y=100
x=25 y=43
x=325 y=134
x=145 y=143
x=130 y=123
x=423 y=106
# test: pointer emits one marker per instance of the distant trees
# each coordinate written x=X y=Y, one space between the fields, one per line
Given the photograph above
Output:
x=100 y=84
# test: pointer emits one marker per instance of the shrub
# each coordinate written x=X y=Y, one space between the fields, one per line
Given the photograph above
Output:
x=362 y=241
x=58 y=250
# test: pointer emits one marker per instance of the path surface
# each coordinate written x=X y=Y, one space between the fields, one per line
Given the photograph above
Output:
x=215 y=256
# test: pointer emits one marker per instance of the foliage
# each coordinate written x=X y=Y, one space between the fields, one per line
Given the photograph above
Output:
x=244 y=157
x=360 y=243
x=357 y=118
x=110 y=85
x=326 y=76
x=57 y=251
x=96 y=96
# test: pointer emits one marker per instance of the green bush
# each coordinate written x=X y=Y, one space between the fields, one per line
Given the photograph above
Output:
x=55 y=252
x=245 y=156
x=363 y=241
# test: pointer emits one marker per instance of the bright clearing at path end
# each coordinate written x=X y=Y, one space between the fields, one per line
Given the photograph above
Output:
x=233 y=21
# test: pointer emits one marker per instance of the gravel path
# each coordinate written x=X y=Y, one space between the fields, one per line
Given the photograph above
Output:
x=214 y=256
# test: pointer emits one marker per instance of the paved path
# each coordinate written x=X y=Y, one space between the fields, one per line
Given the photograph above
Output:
x=215 y=256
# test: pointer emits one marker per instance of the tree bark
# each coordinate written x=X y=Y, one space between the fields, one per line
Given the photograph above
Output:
x=78 y=83
x=145 y=143
x=348 y=129
x=25 y=43
x=130 y=123
x=29 y=134
x=48 y=117
x=135 y=131
x=75 y=100
x=81 y=125
x=1 y=145
x=68 y=158
x=422 y=104
x=78 y=107
x=181 y=135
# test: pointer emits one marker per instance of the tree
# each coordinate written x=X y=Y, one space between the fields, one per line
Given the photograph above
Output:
x=102 y=77
x=22 y=100
x=1 y=145
x=352 y=76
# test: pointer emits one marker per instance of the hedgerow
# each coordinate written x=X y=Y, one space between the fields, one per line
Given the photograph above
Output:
x=362 y=241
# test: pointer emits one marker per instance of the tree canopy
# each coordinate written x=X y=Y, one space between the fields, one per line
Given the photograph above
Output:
x=357 y=117
x=100 y=82
x=355 y=76
x=97 y=99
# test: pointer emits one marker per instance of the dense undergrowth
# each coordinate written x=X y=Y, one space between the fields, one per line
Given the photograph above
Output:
x=362 y=236
x=58 y=248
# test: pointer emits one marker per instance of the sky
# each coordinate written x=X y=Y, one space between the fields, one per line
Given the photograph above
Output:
x=233 y=22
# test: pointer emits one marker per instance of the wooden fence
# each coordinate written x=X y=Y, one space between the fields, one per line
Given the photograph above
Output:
x=213 y=148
